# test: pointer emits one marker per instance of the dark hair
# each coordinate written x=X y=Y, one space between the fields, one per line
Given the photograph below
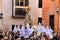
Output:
x=41 y=24
x=20 y=26
x=25 y=27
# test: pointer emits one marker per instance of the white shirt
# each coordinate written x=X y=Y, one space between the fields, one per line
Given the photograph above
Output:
x=26 y=35
x=22 y=32
x=30 y=30
x=15 y=29
x=49 y=32
x=42 y=29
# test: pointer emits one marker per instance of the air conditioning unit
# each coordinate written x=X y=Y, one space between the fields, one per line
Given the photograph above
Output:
x=19 y=12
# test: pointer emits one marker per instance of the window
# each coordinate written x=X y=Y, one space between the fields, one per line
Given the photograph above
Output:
x=40 y=4
x=21 y=2
x=19 y=8
x=20 y=11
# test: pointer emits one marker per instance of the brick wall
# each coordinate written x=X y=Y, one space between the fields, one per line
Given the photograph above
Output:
x=49 y=8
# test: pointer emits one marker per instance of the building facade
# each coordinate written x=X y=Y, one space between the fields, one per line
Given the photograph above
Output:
x=48 y=12
x=50 y=15
x=7 y=7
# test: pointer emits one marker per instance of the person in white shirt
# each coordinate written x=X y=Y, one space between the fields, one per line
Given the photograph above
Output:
x=26 y=35
x=42 y=29
x=21 y=29
x=30 y=30
x=15 y=29
x=49 y=32
x=38 y=33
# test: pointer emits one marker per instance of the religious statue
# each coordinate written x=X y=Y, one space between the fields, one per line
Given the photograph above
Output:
x=28 y=17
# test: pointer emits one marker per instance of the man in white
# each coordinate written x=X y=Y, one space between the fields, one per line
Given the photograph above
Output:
x=42 y=28
x=30 y=30
x=15 y=29
x=49 y=32
x=26 y=35
x=38 y=33
x=21 y=29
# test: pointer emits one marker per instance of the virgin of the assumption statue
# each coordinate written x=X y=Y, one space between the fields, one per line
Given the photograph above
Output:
x=28 y=17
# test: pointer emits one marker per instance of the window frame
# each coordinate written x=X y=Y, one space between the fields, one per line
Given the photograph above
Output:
x=13 y=8
x=20 y=2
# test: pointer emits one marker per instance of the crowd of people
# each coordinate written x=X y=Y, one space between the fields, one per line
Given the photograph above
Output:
x=31 y=33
